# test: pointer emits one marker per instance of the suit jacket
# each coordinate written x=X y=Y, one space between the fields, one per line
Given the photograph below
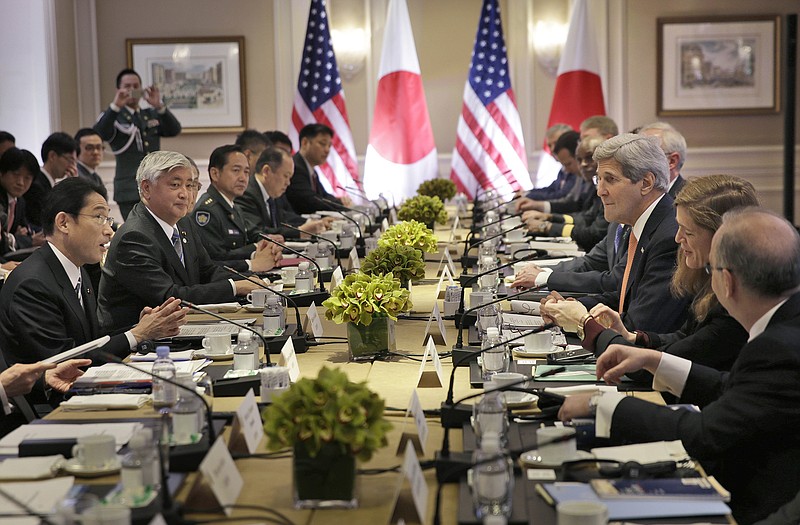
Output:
x=18 y=220
x=649 y=304
x=254 y=211
x=131 y=137
x=578 y=198
x=595 y=271
x=559 y=188
x=40 y=315
x=142 y=269
x=676 y=188
x=300 y=193
x=588 y=226
x=94 y=178
x=34 y=199
x=748 y=433
x=223 y=231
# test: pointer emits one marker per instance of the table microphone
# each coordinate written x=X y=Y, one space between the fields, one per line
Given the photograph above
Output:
x=299 y=254
x=361 y=194
x=343 y=207
x=496 y=235
x=317 y=237
x=503 y=204
x=467 y=279
x=196 y=308
x=509 y=216
x=299 y=337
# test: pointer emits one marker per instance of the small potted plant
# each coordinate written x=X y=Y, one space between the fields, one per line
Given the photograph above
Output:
x=329 y=422
x=410 y=233
x=424 y=209
x=404 y=262
x=445 y=189
x=369 y=304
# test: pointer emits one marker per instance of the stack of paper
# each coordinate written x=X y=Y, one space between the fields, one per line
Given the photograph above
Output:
x=184 y=355
x=105 y=402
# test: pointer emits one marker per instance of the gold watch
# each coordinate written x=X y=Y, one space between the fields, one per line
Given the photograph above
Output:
x=582 y=325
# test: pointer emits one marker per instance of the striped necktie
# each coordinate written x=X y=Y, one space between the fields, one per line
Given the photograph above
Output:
x=176 y=243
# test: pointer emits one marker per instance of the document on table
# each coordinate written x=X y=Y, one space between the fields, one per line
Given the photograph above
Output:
x=644 y=452
x=184 y=355
x=38 y=496
x=122 y=432
x=117 y=373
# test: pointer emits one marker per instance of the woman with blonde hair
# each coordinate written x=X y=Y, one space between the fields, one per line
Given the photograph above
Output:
x=710 y=336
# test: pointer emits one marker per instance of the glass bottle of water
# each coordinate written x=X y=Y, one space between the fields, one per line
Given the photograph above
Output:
x=273 y=316
x=495 y=357
x=492 y=478
x=244 y=354
x=488 y=282
x=185 y=413
x=489 y=316
x=164 y=393
x=304 y=281
x=490 y=414
x=323 y=256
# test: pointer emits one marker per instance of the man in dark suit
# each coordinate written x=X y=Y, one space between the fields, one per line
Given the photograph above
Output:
x=48 y=305
x=60 y=160
x=220 y=223
x=632 y=175
x=132 y=132
x=748 y=432
x=306 y=193
x=17 y=170
x=90 y=155
x=157 y=253
x=261 y=203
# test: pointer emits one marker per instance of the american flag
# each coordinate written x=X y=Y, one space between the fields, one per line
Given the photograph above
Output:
x=490 y=149
x=320 y=98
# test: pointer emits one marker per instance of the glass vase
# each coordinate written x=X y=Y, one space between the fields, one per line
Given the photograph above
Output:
x=325 y=481
x=366 y=341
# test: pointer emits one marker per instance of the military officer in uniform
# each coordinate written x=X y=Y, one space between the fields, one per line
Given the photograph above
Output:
x=221 y=225
x=133 y=132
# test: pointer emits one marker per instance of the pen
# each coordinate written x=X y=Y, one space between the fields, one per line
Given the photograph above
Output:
x=542 y=492
x=553 y=371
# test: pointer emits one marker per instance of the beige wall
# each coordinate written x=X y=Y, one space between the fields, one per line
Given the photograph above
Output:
x=444 y=31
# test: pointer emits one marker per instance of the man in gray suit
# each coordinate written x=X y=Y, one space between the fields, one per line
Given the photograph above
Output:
x=133 y=132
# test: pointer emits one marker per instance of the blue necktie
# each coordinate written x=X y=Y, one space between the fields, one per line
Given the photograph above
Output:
x=618 y=237
x=176 y=243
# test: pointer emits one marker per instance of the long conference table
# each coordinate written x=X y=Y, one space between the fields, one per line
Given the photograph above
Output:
x=268 y=482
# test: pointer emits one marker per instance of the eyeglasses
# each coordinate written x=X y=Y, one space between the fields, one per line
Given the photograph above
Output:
x=69 y=156
x=710 y=269
x=101 y=220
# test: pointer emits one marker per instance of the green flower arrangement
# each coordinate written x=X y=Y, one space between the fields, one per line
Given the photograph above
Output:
x=443 y=188
x=424 y=209
x=361 y=296
x=328 y=410
x=410 y=233
x=406 y=263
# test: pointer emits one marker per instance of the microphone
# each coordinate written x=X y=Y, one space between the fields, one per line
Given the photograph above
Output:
x=357 y=192
x=509 y=216
x=360 y=238
x=470 y=243
x=196 y=308
x=317 y=237
x=467 y=279
x=299 y=254
x=299 y=337
x=459 y=342
x=496 y=235
x=343 y=207
x=503 y=204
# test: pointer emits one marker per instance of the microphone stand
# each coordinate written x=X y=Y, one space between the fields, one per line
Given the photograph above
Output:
x=299 y=254
x=317 y=237
x=343 y=207
x=258 y=334
x=509 y=216
x=299 y=337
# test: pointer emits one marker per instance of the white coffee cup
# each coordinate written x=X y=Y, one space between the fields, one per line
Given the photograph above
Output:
x=582 y=513
x=541 y=342
x=288 y=274
x=330 y=235
x=217 y=343
x=95 y=450
x=516 y=235
x=555 y=453
x=258 y=297
x=502 y=379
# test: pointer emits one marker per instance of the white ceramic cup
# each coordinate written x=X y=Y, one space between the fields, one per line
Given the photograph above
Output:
x=516 y=235
x=217 y=343
x=540 y=342
x=330 y=235
x=258 y=297
x=510 y=222
x=582 y=513
x=555 y=453
x=288 y=274
x=502 y=379
x=95 y=450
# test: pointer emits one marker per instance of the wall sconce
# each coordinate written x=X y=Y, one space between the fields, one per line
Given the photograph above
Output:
x=548 y=42
x=350 y=46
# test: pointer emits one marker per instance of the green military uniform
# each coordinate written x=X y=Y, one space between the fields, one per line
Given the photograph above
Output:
x=131 y=137
x=223 y=230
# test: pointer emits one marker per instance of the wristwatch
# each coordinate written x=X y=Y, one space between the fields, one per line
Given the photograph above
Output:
x=593 y=401
x=544 y=227
x=581 y=326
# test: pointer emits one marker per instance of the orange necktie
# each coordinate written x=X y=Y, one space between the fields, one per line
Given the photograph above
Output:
x=632 y=242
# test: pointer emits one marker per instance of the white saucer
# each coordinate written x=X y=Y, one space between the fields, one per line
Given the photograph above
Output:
x=72 y=466
x=227 y=356
x=532 y=459
x=524 y=352
x=519 y=399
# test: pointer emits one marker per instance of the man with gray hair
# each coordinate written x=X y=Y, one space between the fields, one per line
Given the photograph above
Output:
x=156 y=254
x=674 y=147
x=747 y=434
x=632 y=180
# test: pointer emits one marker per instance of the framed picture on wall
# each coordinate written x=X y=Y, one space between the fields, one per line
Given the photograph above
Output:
x=201 y=79
x=718 y=65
